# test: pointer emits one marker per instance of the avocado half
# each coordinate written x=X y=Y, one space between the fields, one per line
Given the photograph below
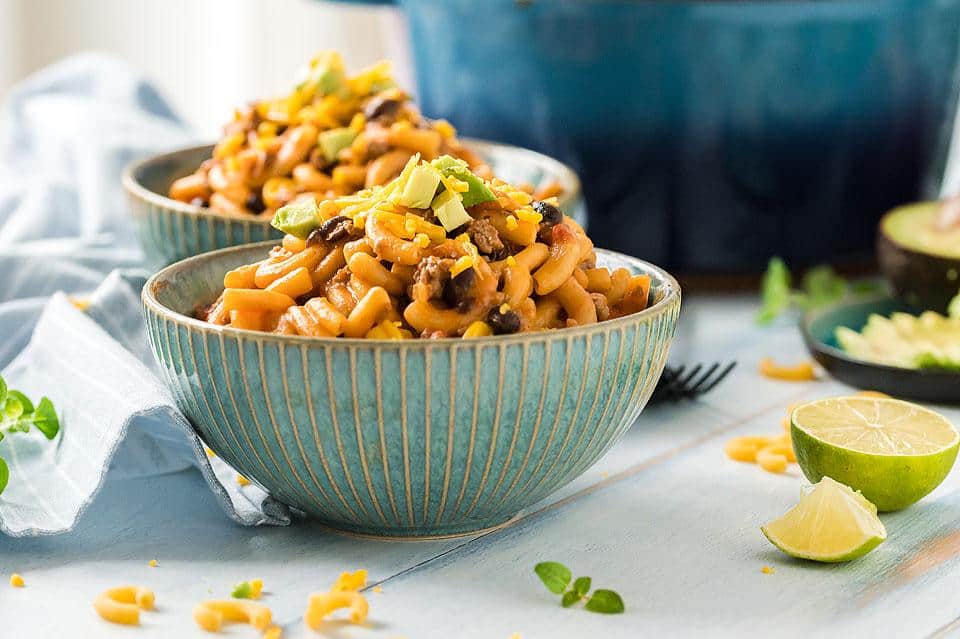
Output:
x=921 y=261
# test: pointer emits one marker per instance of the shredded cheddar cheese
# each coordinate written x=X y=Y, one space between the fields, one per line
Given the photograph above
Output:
x=152 y=563
x=16 y=581
x=273 y=632
x=242 y=481
x=768 y=570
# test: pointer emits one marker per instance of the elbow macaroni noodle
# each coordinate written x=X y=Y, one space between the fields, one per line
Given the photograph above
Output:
x=333 y=135
x=367 y=266
x=122 y=605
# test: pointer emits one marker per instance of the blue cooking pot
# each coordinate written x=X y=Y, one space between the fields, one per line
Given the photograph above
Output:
x=709 y=135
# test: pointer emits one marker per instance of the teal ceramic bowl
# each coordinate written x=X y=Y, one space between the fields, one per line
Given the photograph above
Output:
x=169 y=230
x=411 y=438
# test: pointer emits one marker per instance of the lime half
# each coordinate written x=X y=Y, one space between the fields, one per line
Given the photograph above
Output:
x=892 y=451
x=831 y=523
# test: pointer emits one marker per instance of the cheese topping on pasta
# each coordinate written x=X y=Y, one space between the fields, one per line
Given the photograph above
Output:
x=334 y=134
x=436 y=252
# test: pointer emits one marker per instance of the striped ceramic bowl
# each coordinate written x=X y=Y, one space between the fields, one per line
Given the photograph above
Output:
x=170 y=230
x=405 y=438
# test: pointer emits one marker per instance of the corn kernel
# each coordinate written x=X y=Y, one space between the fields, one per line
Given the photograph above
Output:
x=527 y=214
x=478 y=329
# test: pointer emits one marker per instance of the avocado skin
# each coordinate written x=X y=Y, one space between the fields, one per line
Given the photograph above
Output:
x=924 y=281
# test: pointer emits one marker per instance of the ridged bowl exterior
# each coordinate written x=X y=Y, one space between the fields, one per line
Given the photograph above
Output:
x=169 y=230
x=409 y=438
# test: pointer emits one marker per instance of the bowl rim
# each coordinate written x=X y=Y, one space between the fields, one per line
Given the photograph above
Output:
x=815 y=345
x=153 y=305
x=133 y=186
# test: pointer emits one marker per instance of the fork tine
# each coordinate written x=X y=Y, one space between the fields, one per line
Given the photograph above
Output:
x=719 y=378
x=682 y=384
x=703 y=378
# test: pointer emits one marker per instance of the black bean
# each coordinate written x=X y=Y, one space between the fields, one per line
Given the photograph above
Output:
x=460 y=230
x=379 y=107
x=198 y=201
x=336 y=228
x=503 y=323
x=551 y=214
x=458 y=291
x=314 y=238
x=255 y=203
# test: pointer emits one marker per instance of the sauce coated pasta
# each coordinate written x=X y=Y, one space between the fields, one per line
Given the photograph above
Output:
x=333 y=135
x=437 y=252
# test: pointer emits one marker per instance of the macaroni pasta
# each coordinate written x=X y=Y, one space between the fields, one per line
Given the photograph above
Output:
x=334 y=134
x=437 y=252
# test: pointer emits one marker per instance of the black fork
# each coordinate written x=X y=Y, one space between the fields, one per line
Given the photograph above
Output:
x=680 y=383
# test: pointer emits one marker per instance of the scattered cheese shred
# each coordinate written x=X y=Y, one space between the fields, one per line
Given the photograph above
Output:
x=16 y=581
x=273 y=632
x=152 y=563
x=768 y=570
x=242 y=481
x=377 y=589
x=209 y=452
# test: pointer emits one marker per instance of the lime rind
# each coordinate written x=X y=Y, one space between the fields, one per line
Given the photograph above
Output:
x=831 y=524
x=894 y=452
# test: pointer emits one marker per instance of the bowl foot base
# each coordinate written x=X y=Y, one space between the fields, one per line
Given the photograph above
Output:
x=426 y=533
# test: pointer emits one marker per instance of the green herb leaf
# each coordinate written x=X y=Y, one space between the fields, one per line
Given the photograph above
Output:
x=242 y=590
x=582 y=585
x=3 y=392
x=605 y=601
x=555 y=576
x=4 y=474
x=26 y=406
x=867 y=287
x=45 y=419
x=822 y=285
x=569 y=598
x=774 y=291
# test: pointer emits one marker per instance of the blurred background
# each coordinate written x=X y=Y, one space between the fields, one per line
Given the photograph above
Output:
x=709 y=134
x=205 y=56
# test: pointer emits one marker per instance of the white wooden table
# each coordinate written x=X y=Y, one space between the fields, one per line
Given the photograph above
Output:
x=664 y=518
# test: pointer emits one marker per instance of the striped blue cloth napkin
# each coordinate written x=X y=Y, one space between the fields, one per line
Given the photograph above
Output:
x=65 y=135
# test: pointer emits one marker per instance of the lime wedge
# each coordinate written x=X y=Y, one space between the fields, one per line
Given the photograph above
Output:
x=892 y=451
x=832 y=523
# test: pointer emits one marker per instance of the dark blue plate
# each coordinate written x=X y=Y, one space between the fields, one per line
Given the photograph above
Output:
x=818 y=329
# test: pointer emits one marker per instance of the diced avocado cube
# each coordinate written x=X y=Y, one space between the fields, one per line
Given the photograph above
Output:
x=327 y=75
x=449 y=210
x=335 y=140
x=298 y=218
x=478 y=191
x=420 y=188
